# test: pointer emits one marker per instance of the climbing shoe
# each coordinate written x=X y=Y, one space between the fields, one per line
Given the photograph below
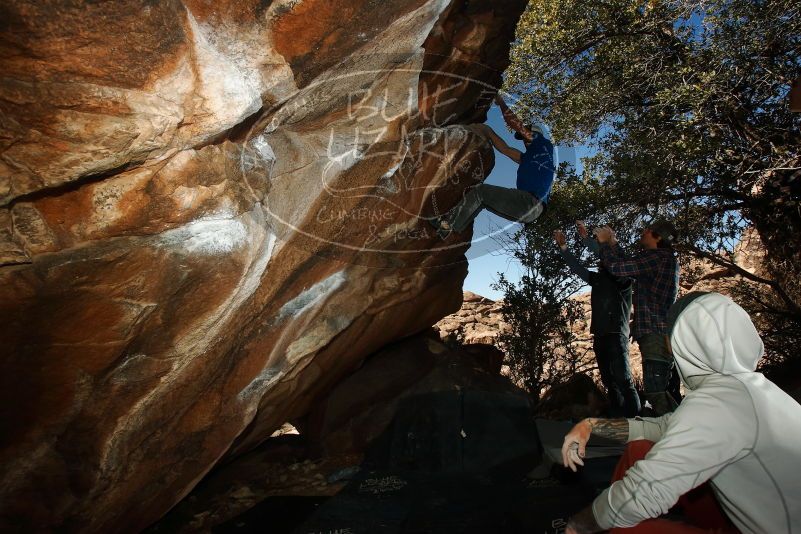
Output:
x=442 y=226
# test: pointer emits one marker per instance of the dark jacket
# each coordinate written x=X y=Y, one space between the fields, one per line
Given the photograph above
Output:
x=611 y=303
x=610 y=298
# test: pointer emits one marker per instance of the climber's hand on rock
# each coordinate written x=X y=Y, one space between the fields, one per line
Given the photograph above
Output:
x=480 y=128
x=559 y=237
x=575 y=445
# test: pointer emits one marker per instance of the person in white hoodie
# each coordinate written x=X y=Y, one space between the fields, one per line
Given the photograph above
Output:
x=735 y=430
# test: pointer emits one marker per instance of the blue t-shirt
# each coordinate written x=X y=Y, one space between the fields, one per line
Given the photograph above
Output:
x=537 y=170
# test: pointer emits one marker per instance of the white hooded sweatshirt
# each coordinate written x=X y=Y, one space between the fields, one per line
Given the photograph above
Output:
x=735 y=429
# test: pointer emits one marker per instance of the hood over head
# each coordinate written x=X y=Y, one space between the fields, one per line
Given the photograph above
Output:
x=711 y=334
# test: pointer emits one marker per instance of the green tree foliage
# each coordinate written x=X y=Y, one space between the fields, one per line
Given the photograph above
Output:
x=686 y=103
x=540 y=349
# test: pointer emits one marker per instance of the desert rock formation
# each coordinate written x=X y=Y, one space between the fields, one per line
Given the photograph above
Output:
x=209 y=214
x=478 y=321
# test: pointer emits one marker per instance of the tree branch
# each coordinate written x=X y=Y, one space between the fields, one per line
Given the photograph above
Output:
x=719 y=260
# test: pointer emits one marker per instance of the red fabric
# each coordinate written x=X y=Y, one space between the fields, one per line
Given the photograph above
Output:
x=699 y=506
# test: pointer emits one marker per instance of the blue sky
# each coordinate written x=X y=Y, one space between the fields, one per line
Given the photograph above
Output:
x=484 y=262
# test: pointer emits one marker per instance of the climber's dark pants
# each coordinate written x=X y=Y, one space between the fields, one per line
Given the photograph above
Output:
x=612 y=353
x=512 y=204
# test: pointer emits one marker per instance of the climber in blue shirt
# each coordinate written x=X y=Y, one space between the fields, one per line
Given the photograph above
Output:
x=534 y=180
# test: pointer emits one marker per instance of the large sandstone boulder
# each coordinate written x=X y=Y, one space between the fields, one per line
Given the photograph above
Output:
x=416 y=404
x=210 y=212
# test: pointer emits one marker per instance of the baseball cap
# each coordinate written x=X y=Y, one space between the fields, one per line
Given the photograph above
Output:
x=665 y=229
x=534 y=127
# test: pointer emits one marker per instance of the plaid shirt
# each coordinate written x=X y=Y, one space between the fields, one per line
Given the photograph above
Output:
x=656 y=275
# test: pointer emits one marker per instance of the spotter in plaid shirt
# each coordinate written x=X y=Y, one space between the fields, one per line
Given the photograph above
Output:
x=656 y=275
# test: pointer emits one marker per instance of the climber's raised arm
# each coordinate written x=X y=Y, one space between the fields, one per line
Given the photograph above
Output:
x=514 y=121
x=499 y=144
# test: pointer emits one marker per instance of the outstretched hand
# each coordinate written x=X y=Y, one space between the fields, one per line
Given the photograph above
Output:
x=582 y=230
x=559 y=237
x=575 y=445
x=605 y=234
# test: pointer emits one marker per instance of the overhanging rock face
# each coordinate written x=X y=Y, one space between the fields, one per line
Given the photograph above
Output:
x=210 y=212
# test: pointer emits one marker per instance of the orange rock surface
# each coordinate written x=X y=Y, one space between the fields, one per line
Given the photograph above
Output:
x=210 y=213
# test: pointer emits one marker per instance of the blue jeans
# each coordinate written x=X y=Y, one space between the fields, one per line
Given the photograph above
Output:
x=657 y=364
x=612 y=353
